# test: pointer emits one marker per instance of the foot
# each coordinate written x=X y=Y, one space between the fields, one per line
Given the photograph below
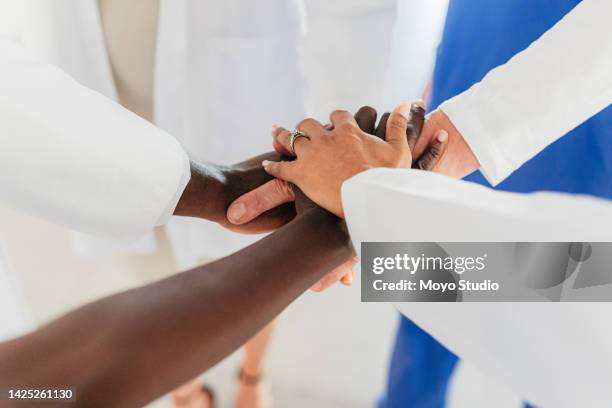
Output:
x=192 y=395
x=253 y=392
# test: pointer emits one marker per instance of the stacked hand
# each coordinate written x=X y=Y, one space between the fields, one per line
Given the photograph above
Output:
x=333 y=153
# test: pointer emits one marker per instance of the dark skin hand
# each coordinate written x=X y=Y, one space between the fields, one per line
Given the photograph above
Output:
x=212 y=188
x=172 y=330
x=366 y=119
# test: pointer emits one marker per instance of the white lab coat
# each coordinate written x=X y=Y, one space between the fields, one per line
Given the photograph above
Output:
x=225 y=71
x=553 y=354
x=557 y=83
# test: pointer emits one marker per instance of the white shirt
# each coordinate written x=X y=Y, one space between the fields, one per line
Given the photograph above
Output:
x=561 y=80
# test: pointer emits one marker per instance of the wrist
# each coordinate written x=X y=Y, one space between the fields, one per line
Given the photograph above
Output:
x=328 y=225
x=204 y=195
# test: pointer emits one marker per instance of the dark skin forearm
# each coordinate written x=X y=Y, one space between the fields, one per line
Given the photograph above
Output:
x=212 y=188
x=130 y=348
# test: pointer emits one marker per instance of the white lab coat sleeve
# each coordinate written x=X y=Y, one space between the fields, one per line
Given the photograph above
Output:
x=521 y=344
x=74 y=157
x=561 y=80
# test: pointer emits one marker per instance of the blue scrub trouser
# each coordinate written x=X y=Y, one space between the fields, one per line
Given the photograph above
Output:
x=420 y=370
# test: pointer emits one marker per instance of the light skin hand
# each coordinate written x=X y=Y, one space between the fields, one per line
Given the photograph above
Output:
x=338 y=152
x=459 y=160
x=276 y=192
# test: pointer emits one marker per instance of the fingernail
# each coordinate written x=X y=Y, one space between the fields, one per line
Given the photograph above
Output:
x=274 y=128
x=266 y=163
x=404 y=109
x=421 y=103
x=442 y=136
x=316 y=287
x=236 y=212
x=348 y=278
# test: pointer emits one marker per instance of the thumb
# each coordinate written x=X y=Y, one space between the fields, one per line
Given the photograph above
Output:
x=256 y=202
x=397 y=124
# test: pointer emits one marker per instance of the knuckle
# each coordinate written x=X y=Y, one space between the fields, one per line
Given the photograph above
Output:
x=273 y=168
x=283 y=137
x=346 y=128
x=397 y=122
x=278 y=131
x=368 y=109
x=283 y=188
x=340 y=112
x=255 y=202
x=307 y=122
x=366 y=112
x=425 y=162
x=416 y=109
x=435 y=149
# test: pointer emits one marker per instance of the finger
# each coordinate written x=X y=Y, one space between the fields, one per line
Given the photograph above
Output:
x=311 y=127
x=284 y=170
x=340 y=117
x=366 y=119
x=331 y=278
x=397 y=124
x=347 y=280
x=349 y=277
x=282 y=137
x=256 y=202
x=281 y=141
x=343 y=273
x=434 y=152
x=415 y=125
x=381 y=129
x=280 y=132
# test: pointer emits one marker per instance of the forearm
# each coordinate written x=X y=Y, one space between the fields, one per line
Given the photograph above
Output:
x=174 y=329
x=561 y=80
x=203 y=196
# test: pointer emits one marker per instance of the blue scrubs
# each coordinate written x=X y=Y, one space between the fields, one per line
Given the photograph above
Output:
x=480 y=35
